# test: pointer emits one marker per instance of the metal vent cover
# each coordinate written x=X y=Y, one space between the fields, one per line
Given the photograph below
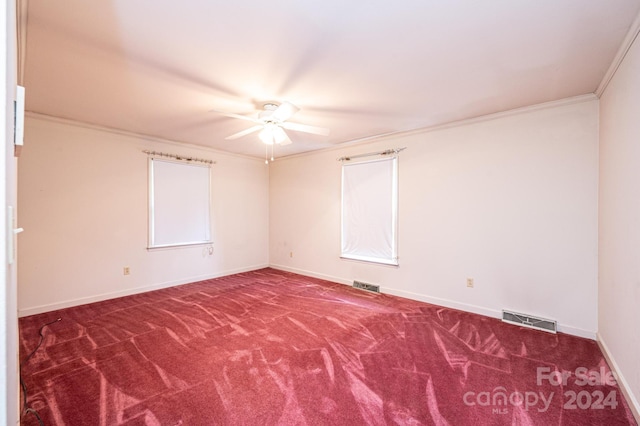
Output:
x=530 y=321
x=366 y=286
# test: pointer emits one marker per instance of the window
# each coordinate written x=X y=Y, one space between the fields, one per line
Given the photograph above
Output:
x=370 y=211
x=179 y=203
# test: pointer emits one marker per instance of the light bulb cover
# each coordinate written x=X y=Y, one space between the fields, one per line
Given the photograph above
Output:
x=279 y=135
x=266 y=134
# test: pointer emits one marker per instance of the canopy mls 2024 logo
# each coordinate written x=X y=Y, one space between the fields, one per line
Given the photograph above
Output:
x=499 y=400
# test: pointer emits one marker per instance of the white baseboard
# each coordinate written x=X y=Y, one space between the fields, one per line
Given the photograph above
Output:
x=480 y=310
x=622 y=383
x=406 y=294
x=311 y=274
x=475 y=309
x=579 y=332
x=106 y=296
x=409 y=295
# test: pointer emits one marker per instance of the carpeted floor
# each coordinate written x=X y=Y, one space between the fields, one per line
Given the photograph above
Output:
x=274 y=348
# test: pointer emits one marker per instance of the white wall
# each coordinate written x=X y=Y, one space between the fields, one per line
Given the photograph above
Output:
x=83 y=205
x=510 y=201
x=619 y=227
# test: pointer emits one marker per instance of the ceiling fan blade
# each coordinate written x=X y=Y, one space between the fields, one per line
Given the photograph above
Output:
x=307 y=129
x=244 y=132
x=241 y=117
x=285 y=111
x=286 y=140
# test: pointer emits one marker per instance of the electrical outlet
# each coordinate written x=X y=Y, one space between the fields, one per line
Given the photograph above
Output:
x=290 y=254
x=470 y=282
x=126 y=270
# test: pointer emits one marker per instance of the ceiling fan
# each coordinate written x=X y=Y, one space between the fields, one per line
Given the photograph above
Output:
x=272 y=122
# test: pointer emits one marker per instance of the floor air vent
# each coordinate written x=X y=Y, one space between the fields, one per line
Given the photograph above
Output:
x=365 y=286
x=529 y=321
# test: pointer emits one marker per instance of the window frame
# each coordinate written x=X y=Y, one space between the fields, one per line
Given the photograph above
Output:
x=392 y=229
x=153 y=204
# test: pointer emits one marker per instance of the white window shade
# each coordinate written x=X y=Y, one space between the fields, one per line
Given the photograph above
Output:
x=179 y=203
x=370 y=211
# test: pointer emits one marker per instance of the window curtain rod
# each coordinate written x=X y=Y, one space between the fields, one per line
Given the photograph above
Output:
x=178 y=157
x=369 y=154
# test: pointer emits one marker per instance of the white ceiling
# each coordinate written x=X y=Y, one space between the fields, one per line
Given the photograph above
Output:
x=158 y=67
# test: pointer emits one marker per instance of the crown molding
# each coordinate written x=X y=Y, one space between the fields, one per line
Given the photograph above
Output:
x=628 y=41
x=134 y=135
x=458 y=123
x=355 y=142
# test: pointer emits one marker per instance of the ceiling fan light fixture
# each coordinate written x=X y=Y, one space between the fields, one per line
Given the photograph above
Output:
x=272 y=124
x=272 y=133
x=266 y=135
x=279 y=135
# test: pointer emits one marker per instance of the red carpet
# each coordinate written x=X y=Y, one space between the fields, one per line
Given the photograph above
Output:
x=274 y=348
